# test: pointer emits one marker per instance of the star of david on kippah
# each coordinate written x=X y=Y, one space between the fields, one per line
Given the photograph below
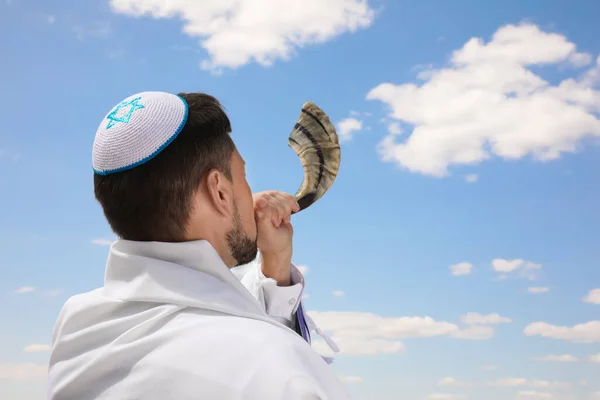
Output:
x=127 y=138
x=114 y=118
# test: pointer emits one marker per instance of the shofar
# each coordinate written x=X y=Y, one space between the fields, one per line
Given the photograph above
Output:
x=315 y=141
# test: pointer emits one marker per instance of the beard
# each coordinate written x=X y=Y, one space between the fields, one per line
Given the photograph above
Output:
x=243 y=248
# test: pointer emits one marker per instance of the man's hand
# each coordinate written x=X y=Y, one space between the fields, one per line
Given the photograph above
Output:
x=272 y=211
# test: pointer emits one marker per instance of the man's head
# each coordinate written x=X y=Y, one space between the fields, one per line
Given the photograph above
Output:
x=194 y=188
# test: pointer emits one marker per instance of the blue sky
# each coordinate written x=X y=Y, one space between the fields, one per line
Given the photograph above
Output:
x=470 y=136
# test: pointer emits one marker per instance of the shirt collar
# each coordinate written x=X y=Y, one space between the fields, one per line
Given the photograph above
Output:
x=188 y=274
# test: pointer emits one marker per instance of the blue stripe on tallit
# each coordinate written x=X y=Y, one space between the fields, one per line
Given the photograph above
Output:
x=302 y=322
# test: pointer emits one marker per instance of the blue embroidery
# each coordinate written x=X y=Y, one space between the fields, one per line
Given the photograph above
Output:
x=113 y=119
x=156 y=152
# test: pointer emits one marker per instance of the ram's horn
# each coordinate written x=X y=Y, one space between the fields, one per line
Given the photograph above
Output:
x=315 y=141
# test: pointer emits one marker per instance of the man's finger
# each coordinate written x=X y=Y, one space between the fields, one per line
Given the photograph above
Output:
x=264 y=219
x=262 y=213
x=288 y=203
x=276 y=213
x=260 y=203
x=288 y=206
x=280 y=205
x=275 y=194
x=291 y=200
x=284 y=210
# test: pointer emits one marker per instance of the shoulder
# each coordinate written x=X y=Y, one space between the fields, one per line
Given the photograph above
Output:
x=76 y=306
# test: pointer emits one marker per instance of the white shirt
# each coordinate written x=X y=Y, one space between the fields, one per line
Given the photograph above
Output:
x=280 y=302
x=173 y=322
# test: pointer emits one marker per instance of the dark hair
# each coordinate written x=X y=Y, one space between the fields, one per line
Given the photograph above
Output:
x=153 y=202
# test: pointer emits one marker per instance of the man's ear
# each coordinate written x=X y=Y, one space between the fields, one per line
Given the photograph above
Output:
x=220 y=192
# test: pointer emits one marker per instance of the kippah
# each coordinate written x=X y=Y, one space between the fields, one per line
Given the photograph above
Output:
x=137 y=130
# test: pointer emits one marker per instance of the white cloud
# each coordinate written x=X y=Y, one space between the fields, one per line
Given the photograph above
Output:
x=25 y=289
x=445 y=396
x=472 y=178
x=509 y=382
x=359 y=333
x=527 y=269
x=337 y=293
x=488 y=102
x=347 y=127
x=368 y=324
x=559 y=358
x=550 y=384
x=538 y=289
x=423 y=71
x=102 y=242
x=532 y=394
x=303 y=269
x=235 y=33
x=359 y=346
x=533 y=383
x=588 y=332
x=37 y=348
x=358 y=114
x=502 y=265
x=23 y=372
x=593 y=296
x=453 y=382
x=595 y=358
x=474 y=332
x=473 y=318
x=463 y=268
x=394 y=128
x=448 y=381
x=351 y=379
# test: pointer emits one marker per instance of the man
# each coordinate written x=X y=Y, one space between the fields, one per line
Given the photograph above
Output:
x=172 y=321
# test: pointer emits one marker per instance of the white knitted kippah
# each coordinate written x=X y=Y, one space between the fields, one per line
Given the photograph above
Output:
x=136 y=130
